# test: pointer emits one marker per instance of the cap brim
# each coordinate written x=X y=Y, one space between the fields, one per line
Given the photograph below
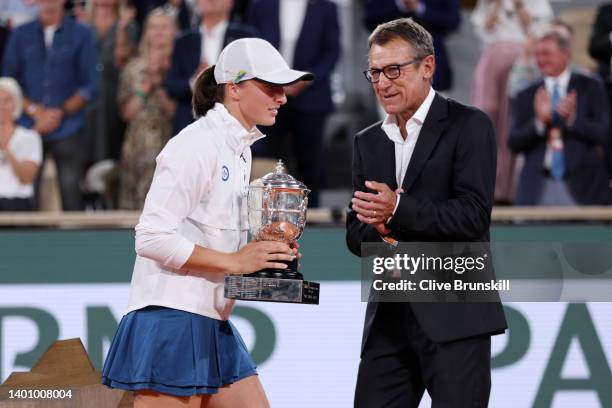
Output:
x=285 y=77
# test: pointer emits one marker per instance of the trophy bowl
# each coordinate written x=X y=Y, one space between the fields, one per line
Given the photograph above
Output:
x=277 y=212
x=277 y=205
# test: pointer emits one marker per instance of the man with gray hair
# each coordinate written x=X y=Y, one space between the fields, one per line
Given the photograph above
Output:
x=560 y=124
x=425 y=173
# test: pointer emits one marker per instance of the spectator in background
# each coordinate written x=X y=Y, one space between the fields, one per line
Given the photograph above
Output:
x=79 y=10
x=525 y=71
x=20 y=152
x=307 y=34
x=179 y=9
x=197 y=49
x=600 y=48
x=147 y=109
x=116 y=35
x=560 y=124
x=439 y=17
x=503 y=27
x=53 y=59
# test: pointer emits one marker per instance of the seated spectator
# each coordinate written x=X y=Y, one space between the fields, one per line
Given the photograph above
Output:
x=20 y=152
x=560 y=124
x=147 y=109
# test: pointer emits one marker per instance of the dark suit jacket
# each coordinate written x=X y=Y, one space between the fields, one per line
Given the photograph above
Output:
x=583 y=144
x=440 y=18
x=449 y=187
x=317 y=49
x=600 y=47
x=185 y=60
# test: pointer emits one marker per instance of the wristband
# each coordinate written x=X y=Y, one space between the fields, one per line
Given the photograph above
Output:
x=392 y=242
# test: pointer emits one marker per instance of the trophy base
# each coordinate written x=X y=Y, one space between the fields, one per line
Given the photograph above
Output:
x=276 y=274
x=245 y=287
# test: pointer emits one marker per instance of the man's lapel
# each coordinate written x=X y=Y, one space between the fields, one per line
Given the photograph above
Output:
x=428 y=138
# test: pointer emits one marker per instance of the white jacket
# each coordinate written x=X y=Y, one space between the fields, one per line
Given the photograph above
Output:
x=198 y=196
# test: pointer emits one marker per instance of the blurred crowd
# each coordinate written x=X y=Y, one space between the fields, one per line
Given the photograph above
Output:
x=101 y=85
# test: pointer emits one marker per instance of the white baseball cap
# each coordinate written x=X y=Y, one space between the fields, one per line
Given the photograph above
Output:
x=249 y=58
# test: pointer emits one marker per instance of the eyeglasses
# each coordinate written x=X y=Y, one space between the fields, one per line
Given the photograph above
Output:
x=392 y=71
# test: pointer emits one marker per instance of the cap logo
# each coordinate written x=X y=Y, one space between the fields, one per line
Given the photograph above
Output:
x=239 y=76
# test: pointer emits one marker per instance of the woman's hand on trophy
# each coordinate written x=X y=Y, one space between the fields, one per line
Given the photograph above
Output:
x=296 y=250
x=259 y=255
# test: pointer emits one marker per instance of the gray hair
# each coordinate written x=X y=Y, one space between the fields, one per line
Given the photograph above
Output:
x=405 y=29
x=12 y=87
x=563 y=39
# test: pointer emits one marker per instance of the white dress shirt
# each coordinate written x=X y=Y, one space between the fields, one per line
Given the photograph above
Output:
x=291 y=15
x=212 y=42
x=198 y=196
x=49 y=34
x=405 y=148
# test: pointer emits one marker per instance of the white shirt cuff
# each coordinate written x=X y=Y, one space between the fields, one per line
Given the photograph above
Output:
x=395 y=209
x=182 y=255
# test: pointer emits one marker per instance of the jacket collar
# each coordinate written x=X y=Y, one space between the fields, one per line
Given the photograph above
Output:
x=234 y=134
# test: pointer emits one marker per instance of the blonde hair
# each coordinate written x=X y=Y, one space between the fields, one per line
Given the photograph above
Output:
x=12 y=87
x=143 y=47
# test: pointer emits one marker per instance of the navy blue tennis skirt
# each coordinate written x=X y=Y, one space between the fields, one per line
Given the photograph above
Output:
x=175 y=352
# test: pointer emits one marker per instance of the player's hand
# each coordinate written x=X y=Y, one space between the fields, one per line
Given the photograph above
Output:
x=259 y=255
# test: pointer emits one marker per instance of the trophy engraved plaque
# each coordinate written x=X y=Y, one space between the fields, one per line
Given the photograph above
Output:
x=277 y=205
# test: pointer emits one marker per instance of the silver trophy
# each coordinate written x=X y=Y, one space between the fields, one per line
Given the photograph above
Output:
x=277 y=205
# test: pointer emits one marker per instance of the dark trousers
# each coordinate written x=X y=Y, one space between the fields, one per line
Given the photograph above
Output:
x=16 y=204
x=304 y=132
x=399 y=362
x=68 y=156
